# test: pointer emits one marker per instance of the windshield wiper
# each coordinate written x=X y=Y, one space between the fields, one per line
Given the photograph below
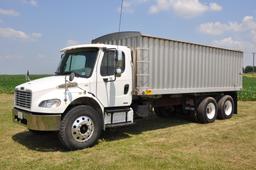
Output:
x=69 y=72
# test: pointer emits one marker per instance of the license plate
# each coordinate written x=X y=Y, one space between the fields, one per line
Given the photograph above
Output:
x=20 y=115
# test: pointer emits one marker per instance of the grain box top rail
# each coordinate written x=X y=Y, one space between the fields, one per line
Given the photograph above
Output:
x=129 y=34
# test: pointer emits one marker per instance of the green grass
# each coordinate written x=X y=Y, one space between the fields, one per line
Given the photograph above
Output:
x=153 y=143
x=249 y=88
x=8 y=82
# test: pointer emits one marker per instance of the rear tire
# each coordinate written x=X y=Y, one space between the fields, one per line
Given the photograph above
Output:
x=80 y=128
x=225 y=107
x=207 y=110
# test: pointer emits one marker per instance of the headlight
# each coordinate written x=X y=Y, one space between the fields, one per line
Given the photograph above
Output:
x=50 y=103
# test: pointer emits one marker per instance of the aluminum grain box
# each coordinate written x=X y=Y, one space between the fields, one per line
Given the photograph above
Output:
x=164 y=66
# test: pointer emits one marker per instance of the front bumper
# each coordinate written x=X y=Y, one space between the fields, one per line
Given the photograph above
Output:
x=36 y=121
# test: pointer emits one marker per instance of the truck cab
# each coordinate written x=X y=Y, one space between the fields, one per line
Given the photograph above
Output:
x=92 y=89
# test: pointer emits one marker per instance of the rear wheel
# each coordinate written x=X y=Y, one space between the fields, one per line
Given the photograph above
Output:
x=80 y=128
x=225 y=107
x=207 y=110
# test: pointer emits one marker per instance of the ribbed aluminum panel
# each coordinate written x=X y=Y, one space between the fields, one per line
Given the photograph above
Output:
x=170 y=67
x=23 y=99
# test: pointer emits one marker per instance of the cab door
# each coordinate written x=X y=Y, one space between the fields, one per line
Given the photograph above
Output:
x=113 y=90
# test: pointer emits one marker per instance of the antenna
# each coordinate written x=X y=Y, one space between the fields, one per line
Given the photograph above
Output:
x=120 y=18
x=119 y=27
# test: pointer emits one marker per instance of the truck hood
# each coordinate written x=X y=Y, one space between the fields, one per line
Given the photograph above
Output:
x=42 y=83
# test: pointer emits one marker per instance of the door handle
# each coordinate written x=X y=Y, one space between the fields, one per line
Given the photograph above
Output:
x=109 y=79
x=126 y=88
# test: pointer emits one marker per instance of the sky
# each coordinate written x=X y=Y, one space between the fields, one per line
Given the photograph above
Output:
x=33 y=31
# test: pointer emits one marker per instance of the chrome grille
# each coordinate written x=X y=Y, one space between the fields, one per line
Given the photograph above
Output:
x=23 y=98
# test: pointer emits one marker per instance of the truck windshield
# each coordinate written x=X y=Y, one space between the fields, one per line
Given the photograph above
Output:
x=81 y=62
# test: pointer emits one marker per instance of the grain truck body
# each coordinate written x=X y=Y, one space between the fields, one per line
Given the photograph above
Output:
x=163 y=66
x=124 y=76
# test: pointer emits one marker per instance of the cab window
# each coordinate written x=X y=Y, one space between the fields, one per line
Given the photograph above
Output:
x=109 y=64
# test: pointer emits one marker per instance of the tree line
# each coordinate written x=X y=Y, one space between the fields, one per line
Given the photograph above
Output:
x=249 y=69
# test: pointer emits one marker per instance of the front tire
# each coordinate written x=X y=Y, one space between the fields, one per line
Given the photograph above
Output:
x=80 y=128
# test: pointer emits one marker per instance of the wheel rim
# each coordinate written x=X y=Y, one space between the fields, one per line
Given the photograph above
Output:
x=228 y=108
x=210 y=110
x=82 y=129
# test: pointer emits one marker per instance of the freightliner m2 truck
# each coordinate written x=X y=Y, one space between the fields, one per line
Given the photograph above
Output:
x=127 y=75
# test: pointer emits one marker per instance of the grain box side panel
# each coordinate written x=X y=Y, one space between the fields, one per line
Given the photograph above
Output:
x=177 y=67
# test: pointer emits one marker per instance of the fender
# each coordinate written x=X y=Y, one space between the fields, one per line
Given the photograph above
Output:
x=90 y=100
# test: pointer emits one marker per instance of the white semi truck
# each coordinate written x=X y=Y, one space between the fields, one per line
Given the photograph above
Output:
x=125 y=75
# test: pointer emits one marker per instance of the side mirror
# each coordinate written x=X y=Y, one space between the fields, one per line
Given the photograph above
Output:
x=119 y=61
x=72 y=76
x=118 y=72
x=119 y=55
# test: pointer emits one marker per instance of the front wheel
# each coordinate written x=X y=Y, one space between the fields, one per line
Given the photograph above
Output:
x=80 y=128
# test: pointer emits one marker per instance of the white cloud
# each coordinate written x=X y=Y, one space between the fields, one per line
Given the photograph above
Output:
x=36 y=35
x=184 y=8
x=215 y=7
x=11 y=33
x=188 y=8
x=162 y=5
x=129 y=6
x=31 y=2
x=248 y=23
x=217 y=28
x=213 y=28
x=72 y=42
x=229 y=42
x=253 y=32
x=8 y=12
x=236 y=35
